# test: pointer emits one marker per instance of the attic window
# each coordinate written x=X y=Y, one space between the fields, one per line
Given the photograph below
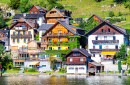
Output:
x=102 y=30
x=108 y=30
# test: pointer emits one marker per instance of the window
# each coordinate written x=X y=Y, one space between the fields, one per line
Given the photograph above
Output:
x=28 y=39
x=71 y=68
x=23 y=26
x=51 y=32
x=17 y=39
x=47 y=55
x=81 y=59
x=31 y=12
x=23 y=32
x=29 y=32
x=43 y=65
x=35 y=12
x=68 y=31
x=33 y=56
x=76 y=54
x=60 y=18
x=93 y=47
x=102 y=30
x=59 y=31
x=100 y=46
x=116 y=46
x=42 y=56
x=108 y=30
x=56 y=18
x=30 y=65
x=57 y=55
x=13 y=39
x=114 y=38
x=50 y=40
x=50 y=48
x=68 y=47
x=44 y=40
x=71 y=59
x=105 y=37
x=14 y=33
x=59 y=48
x=68 y=39
x=82 y=68
x=99 y=55
x=24 y=39
x=44 y=48
x=59 y=39
x=18 y=32
x=96 y=38
x=93 y=55
x=105 y=24
x=37 y=55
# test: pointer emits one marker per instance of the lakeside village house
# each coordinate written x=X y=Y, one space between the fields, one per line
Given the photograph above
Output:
x=60 y=39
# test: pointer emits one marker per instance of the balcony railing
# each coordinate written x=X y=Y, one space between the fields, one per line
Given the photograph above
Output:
x=34 y=59
x=74 y=63
x=58 y=34
x=20 y=28
x=105 y=33
x=105 y=41
x=21 y=36
x=103 y=50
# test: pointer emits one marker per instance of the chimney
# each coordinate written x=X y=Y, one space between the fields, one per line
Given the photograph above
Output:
x=24 y=14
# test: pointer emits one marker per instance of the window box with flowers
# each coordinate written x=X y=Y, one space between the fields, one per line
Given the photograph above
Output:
x=54 y=42
x=60 y=41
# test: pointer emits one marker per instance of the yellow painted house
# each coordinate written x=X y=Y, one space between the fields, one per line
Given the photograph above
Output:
x=21 y=32
x=57 y=36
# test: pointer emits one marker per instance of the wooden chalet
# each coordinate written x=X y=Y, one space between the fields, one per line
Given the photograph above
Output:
x=97 y=18
x=37 y=9
x=57 y=14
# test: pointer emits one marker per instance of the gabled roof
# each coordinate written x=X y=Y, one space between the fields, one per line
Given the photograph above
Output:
x=40 y=8
x=82 y=50
x=28 y=16
x=35 y=41
x=95 y=63
x=65 y=25
x=75 y=27
x=29 y=23
x=78 y=19
x=121 y=30
x=97 y=17
x=45 y=26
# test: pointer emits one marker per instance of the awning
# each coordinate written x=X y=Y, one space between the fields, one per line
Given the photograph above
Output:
x=34 y=63
x=108 y=53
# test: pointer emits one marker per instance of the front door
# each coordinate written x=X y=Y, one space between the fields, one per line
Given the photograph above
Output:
x=76 y=70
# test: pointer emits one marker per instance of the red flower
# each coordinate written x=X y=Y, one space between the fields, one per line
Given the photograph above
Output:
x=60 y=41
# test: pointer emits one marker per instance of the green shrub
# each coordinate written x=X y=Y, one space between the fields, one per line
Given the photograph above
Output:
x=129 y=71
x=119 y=13
x=32 y=70
x=63 y=70
x=111 y=13
x=119 y=66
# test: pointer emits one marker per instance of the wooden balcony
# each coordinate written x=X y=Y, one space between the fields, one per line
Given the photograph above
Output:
x=103 y=50
x=58 y=34
x=105 y=41
x=35 y=59
x=105 y=33
x=20 y=28
x=74 y=63
x=21 y=36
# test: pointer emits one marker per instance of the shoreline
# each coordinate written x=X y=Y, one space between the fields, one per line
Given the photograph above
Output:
x=60 y=74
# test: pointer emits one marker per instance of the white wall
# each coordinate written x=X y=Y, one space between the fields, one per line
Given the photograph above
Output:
x=40 y=20
x=76 y=66
x=40 y=34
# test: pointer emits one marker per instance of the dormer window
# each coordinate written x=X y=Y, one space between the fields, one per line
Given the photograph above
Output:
x=102 y=30
x=35 y=12
x=59 y=31
x=108 y=30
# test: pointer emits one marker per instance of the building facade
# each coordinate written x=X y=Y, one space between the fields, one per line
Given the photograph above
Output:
x=105 y=40
x=77 y=60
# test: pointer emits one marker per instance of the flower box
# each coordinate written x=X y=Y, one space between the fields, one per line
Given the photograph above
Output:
x=60 y=41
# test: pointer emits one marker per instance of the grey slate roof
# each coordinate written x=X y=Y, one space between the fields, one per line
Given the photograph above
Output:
x=96 y=64
x=5 y=32
x=29 y=16
x=45 y=26
x=85 y=52
x=75 y=27
x=40 y=8
x=67 y=26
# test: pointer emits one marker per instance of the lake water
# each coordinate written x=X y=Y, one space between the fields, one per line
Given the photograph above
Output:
x=65 y=80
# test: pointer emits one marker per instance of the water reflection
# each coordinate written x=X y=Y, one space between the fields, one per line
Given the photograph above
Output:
x=65 y=80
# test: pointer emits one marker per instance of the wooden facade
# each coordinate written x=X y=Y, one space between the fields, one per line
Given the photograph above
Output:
x=34 y=10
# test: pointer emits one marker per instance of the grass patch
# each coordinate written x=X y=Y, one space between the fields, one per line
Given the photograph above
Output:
x=49 y=72
x=12 y=71
x=110 y=72
x=32 y=72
